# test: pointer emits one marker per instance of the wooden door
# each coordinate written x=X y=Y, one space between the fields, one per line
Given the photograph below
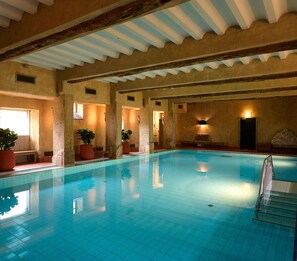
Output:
x=248 y=133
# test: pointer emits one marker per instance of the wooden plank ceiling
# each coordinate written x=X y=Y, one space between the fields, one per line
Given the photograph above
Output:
x=187 y=50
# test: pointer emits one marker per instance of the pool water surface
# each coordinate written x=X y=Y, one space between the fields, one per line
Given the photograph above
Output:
x=177 y=205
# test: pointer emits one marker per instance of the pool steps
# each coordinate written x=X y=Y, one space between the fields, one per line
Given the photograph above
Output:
x=281 y=209
x=276 y=212
x=277 y=221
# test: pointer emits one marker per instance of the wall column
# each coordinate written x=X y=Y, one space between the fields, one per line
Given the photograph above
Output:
x=63 y=130
x=114 y=126
x=146 y=140
x=169 y=129
x=35 y=132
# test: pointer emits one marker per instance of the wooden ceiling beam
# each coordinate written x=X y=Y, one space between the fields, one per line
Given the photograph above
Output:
x=237 y=96
x=272 y=69
x=66 y=20
x=250 y=79
x=260 y=38
x=213 y=89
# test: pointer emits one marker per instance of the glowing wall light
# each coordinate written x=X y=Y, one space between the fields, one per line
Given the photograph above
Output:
x=202 y=122
x=247 y=114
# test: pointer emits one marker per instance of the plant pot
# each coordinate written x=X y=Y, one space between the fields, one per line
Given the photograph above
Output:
x=86 y=151
x=126 y=147
x=7 y=160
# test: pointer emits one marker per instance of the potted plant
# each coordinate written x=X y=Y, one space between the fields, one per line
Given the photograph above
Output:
x=125 y=141
x=86 y=149
x=7 y=141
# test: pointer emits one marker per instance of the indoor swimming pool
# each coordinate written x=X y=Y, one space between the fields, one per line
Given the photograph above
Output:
x=175 y=205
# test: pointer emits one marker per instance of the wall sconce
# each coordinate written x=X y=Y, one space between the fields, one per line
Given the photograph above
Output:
x=247 y=114
x=138 y=118
x=202 y=122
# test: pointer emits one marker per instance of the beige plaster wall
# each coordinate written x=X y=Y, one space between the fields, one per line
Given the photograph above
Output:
x=137 y=103
x=41 y=117
x=46 y=126
x=100 y=138
x=157 y=115
x=131 y=114
x=179 y=108
x=102 y=95
x=162 y=107
x=223 y=118
x=94 y=119
x=34 y=97
x=94 y=110
x=130 y=118
x=45 y=81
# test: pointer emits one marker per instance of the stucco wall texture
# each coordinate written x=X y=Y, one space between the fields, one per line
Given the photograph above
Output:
x=223 y=119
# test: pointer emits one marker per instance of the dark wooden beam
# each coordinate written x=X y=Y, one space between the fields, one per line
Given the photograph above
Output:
x=219 y=82
x=259 y=92
x=221 y=88
x=236 y=96
x=261 y=38
x=114 y=14
x=273 y=68
x=217 y=57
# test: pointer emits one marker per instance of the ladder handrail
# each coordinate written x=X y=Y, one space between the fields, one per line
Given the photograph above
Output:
x=265 y=180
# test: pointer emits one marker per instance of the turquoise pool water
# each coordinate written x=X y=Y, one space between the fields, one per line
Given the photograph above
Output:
x=285 y=168
x=178 y=205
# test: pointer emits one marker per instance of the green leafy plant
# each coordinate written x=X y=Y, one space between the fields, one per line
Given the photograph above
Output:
x=86 y=183
x=126 y=135
x=7 y=201
x=7 y=139
x=125 y=173
x=86 y=135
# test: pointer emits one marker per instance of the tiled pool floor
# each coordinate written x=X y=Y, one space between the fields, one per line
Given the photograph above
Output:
x=155 y=208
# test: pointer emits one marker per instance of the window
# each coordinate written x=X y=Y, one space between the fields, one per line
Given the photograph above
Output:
x=77 y=205
x=16 y=120
x=22 y=206
x=78 y=111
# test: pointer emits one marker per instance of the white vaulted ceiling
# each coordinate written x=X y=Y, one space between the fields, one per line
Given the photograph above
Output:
x=14 y=9
x=190 y=19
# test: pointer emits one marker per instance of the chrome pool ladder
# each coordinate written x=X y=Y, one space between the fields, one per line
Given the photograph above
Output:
x=274 y=203
x=265 y=184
